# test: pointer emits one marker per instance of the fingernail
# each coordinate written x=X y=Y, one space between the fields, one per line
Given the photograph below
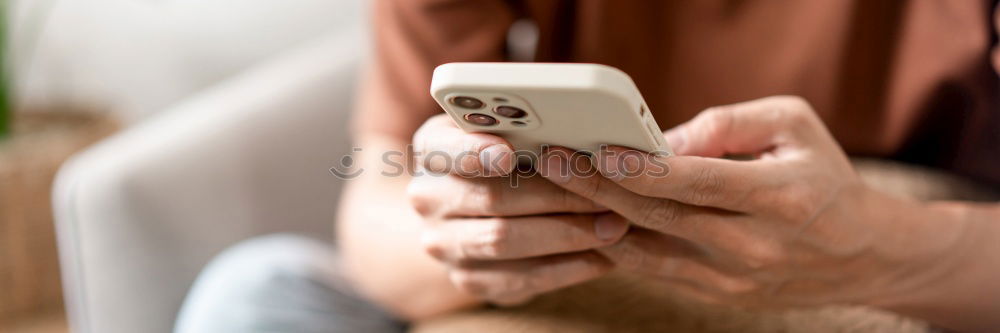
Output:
x=556 y=168
x=609 y=227
x=493 y=159
x=606 y=163
x=612 y=167
x=675 y=139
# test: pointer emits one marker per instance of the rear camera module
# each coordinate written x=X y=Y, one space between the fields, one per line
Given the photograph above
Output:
x=509 y=111
x=467 y=102
x=480 y=119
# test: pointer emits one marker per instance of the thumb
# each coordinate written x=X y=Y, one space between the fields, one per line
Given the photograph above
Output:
x=744 y=128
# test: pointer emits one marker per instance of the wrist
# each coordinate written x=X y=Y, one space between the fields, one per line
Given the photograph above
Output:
x=951 y=264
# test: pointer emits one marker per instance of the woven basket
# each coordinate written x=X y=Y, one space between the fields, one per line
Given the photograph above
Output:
x=29 y=159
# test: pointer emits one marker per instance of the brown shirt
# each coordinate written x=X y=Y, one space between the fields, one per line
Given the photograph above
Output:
x=910 y=80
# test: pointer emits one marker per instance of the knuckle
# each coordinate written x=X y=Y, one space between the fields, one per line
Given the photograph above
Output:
x=659 y=213
x=795 y=119
x=627 y=255
x=719 y=113
x=493 y=242
x=466 y=281
x=715 y=121
x=433 y=246
x=518 y=284
x=795 y=102
x=500 y=287
x=795 y=111
x=797 y=202
x=423 y=202
x=705 y=186
x=485 y=197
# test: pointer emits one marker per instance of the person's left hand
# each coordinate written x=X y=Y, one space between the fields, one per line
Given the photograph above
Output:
x=793 y=226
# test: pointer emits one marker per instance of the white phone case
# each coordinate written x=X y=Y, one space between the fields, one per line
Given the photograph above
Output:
x=579 y=106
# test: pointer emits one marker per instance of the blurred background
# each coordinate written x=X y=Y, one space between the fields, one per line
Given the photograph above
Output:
x=153 y=81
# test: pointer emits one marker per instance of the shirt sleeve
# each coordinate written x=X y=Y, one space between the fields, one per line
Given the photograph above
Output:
x=411 y=37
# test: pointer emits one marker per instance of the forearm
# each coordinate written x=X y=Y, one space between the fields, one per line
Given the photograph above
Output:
x=379 y=236
x=961 y=290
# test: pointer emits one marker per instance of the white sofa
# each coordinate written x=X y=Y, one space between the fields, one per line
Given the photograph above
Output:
x=135 y=58
x=139 y=214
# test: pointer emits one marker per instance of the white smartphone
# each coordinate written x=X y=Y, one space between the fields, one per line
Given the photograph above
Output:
x=578 y=106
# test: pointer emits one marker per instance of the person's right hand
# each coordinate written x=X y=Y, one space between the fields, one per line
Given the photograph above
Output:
x=503 y=242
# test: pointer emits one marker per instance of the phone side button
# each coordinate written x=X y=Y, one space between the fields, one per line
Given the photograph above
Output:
x=654 y=132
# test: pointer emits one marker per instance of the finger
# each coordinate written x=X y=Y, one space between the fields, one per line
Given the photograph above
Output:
x=517 y=280
x=521 y=237
x=456 y=196
x=651 y=244
x=692 y=180
x=649 y=253
x=746 y=128
x=442 y=147
x=663 y=215
x=726 y=240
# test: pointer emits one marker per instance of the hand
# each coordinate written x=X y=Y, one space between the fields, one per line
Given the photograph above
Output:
x=501 y=242
x=793 y=226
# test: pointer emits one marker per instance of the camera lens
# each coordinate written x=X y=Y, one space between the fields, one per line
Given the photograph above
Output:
x=509 y=111
x=467 y=102
x=480 y=119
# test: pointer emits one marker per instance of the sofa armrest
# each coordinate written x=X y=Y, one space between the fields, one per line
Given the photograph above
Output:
x=140 y=213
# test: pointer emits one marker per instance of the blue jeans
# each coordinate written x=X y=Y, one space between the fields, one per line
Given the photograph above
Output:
x=279 y=283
